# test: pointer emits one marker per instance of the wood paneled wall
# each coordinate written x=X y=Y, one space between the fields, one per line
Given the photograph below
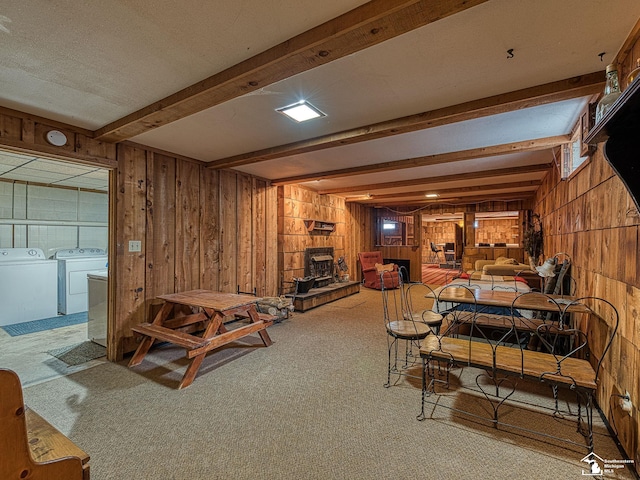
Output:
x=199 y=227
x=295 y=205
x=360 y=223
x=591 y=217
x=506 y=230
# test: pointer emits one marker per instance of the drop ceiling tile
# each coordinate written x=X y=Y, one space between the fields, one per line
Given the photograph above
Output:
x=10 y=158
x=27 y=176
x=60 y=167
x=86 y=183
x=99 y=174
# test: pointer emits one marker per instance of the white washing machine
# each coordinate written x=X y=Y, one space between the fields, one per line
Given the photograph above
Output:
x=73 y=266
x=28 y=285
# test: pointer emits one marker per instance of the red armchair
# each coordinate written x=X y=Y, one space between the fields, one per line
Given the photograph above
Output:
x=371 y=274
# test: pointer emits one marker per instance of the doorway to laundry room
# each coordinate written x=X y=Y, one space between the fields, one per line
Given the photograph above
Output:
x=54 y=236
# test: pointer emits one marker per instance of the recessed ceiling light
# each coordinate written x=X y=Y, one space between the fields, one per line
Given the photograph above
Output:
x=301 y=111
x=432 y=195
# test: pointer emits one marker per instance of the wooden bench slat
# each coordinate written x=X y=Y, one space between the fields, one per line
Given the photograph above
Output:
x=185 y=320
x=492 y=320
x=509 y=360
x=229 y=336
x=265 y=317
x=167 y=335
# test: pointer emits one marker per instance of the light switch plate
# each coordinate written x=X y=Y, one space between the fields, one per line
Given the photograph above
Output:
x=135 y=246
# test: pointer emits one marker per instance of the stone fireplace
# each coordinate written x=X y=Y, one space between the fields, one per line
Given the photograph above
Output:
x=318 y=263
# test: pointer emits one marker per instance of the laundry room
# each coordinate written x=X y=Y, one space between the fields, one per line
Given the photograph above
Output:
x=54 y=231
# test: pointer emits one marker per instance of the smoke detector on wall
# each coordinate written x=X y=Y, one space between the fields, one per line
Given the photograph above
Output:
x=56 y=138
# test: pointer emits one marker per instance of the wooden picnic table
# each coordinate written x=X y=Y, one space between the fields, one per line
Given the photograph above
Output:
x=185 y=314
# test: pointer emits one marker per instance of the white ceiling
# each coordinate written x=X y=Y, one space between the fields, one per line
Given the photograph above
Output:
x=50 y=172
x=91 y=63
x=88 y=63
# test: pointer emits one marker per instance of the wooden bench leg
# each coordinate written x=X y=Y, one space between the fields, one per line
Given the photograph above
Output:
x=141 y=351
x=255 y=318
x=146 y=342
x=192 y=371
x=266 y=339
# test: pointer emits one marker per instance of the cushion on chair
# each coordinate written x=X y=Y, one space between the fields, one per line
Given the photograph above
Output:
x=387 y=267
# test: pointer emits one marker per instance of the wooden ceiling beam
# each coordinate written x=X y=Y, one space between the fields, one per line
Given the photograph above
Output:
x=457 y=191
x=529 y=97
x=365 y=26
x=455 y=200
x=498 y=172
x=428 y=160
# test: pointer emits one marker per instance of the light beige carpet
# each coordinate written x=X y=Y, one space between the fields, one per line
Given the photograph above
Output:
x=311 y=406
